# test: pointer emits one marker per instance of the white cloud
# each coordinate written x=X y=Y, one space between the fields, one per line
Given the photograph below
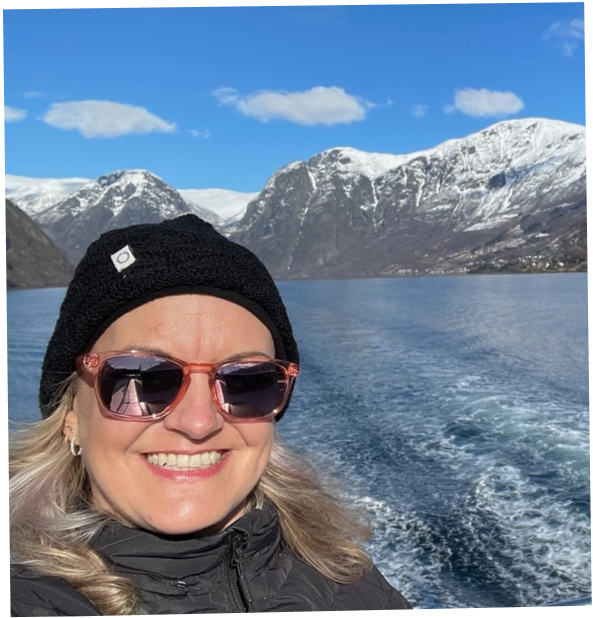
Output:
x=320 y=105
x=370 y=105
x=419 y=111
x=485 y=103
x=34 y=95
x=566 y=35
x=105 y=119
x=12 y=114
x=205 y=133
x=226 y=96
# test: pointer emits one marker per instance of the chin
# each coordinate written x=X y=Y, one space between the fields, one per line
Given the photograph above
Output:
x=204 y=526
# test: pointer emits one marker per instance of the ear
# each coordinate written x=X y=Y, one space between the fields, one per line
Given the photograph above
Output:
x=70 y=424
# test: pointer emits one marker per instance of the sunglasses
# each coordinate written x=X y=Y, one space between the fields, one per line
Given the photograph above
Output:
x=136 y=386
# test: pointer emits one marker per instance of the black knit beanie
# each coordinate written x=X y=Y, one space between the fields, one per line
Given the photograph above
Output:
x=128 y=267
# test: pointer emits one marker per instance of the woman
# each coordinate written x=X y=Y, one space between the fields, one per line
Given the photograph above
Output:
x=154 y=483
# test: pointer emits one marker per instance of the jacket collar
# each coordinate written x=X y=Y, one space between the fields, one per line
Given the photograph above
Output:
x=178 y=557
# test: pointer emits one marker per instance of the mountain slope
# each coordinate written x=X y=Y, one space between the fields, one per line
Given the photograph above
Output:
x=346 y=213
x=566 y=252
x=32 y=260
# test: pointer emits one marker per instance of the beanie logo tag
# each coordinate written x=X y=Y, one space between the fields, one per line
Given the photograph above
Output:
x=123 y=258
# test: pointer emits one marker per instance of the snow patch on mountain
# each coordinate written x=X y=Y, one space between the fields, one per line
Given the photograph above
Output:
x=34 y=195
x=345 y=160
x=227 y=205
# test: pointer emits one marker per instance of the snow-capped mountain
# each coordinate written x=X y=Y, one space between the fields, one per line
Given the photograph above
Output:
x=34 y=195
x=112 y=201
x=74 y=219
x=516 y=188
x=350 y=213
x=226 y=205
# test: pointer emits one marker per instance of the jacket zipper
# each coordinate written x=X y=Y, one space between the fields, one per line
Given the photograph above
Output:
x=174 y=583
x=238 y=586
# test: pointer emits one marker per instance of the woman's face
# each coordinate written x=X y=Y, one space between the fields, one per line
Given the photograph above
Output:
x=116 y=453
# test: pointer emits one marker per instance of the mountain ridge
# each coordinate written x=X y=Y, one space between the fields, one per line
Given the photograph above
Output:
x=451 y=208
x=446 y=204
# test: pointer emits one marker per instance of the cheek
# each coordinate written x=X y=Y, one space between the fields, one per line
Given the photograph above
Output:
x=259 y=438
x=85 y=408
x=97 y=433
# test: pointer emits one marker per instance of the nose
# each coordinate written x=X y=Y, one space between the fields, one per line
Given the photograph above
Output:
x=196 y=415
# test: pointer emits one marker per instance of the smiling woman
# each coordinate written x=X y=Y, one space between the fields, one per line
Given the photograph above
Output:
x=155 y=482
x=155 y=474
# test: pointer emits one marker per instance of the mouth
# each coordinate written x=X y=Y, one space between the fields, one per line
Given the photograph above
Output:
x=173 y=461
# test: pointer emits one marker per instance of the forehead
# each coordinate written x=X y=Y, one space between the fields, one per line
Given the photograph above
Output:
x=186 y=322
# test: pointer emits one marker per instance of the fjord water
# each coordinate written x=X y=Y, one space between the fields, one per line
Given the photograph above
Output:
x=454 y=409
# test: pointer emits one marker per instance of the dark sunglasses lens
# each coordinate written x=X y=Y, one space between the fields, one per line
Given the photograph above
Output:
x=139 y=385
x=251 y=389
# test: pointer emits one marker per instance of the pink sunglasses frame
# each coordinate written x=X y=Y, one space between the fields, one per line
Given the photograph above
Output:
x=93 y=361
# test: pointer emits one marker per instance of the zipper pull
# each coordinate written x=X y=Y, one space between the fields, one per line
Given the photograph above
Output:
x=238 y=544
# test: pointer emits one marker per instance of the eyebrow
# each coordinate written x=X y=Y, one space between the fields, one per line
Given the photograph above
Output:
x=248 y=354
x=232 y=357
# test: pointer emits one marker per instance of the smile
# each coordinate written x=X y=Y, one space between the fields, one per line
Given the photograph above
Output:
x=182 y=461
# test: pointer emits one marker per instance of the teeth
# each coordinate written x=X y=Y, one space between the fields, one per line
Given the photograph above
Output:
x=199 y=460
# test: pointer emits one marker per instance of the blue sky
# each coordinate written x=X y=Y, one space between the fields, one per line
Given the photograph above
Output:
x=224 y=96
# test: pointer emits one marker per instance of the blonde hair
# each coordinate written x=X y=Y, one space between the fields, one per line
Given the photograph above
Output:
x=52 y=521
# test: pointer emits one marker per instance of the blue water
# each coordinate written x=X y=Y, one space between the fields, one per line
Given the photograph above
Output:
x=454 y=409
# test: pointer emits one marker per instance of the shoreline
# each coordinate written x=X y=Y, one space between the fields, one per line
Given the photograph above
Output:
x=377 y=276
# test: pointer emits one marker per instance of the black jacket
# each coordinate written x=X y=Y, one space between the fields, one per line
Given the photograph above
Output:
x=245 y=568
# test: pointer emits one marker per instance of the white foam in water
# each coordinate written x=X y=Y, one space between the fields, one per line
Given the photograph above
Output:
x=541 y=552
x=502 y=421
x=545 y=544
x=524 y=545
x=404 y=551
x=539 y=544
